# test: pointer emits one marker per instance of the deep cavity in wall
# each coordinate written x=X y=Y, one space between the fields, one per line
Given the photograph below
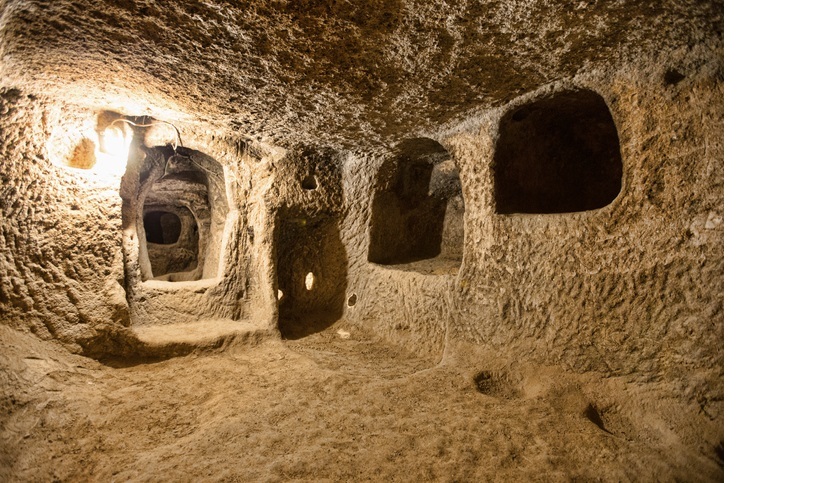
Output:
x=418 y=210
x=560 y=154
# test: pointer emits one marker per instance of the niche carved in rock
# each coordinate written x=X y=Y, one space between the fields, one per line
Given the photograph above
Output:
x=558 y=155
x=418 y=210
x=182 y=215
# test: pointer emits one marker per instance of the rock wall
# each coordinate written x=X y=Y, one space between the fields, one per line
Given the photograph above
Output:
x=633 y=288
x=303 y=104
x=62 y=271
x=71 y=254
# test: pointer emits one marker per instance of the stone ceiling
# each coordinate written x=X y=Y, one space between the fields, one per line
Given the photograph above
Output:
x=346 y=74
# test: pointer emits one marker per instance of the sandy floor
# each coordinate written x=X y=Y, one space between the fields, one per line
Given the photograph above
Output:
x=324 y=408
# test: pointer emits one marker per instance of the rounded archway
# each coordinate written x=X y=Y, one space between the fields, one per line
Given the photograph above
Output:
x=417 y=214
x=182 y=215
x=558 y=155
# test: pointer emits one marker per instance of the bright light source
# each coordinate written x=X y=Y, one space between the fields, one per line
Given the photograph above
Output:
x=308 y=281
x=114 y=146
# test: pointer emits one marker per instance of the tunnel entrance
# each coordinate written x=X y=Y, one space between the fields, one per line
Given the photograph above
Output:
x=184 y=208
x=162 y=227
x=418 y=210
x=558 y=155
x=172 y=239
x=311 y=266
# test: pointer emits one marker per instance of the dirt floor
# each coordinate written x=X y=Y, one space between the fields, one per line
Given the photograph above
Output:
x=333 y=407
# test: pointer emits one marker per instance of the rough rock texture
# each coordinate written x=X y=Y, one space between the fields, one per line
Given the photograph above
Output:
x=366 y=143
x=632 y=288
x=62 y=265
x=344 y=72
x=326 y=408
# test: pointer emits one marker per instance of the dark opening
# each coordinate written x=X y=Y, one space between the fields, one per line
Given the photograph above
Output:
x=309 y=183
x=672 y=77
x=593 y=415
x=496 y=385
x=311 y=268
x=184 y=212
x=558 y=155
x=162 y=227
x=173 y=239
x=418 y=212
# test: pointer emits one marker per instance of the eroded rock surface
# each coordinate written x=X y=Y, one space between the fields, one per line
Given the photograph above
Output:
x=493 y=187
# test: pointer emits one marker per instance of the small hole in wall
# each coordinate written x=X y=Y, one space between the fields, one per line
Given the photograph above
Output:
x=309 y=183
x=280 y=295
x=352 y=300
x=308 y=281
x=672 y=77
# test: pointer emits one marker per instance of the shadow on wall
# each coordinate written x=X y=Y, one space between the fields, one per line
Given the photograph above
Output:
x=558 y=155
x=418 y=210
x=311 y=265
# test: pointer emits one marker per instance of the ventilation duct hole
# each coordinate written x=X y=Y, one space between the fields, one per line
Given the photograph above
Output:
x=309 y=183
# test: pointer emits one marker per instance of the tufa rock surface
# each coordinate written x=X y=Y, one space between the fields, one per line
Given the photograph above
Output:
x=492 y=187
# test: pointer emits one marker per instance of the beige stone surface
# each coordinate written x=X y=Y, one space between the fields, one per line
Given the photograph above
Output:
x=291 y=116
x=328 y=408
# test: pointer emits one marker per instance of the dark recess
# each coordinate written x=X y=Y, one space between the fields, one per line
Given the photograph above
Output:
x=558 y=155
x=162 y=227
x=309 y=245
x=309 y=183
x=495 y=385
x=417 y=211
x=719 y=450
x=672 y=77
x=593 y=415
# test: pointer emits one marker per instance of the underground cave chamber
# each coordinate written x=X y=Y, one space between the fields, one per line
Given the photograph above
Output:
x=467 y=240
